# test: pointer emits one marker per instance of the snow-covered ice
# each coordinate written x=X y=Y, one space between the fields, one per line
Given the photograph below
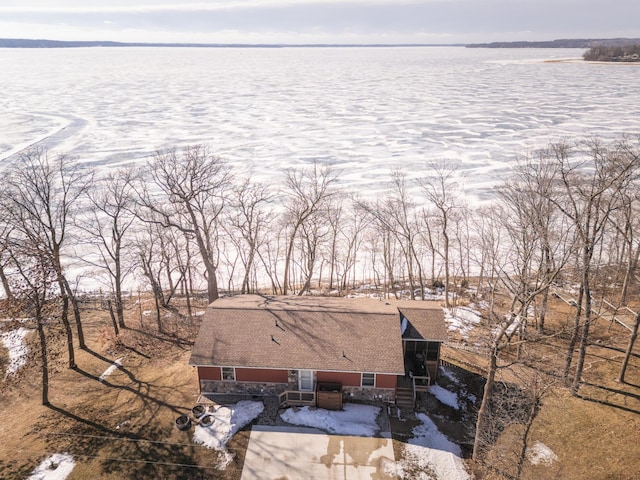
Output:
x=114 y=366
x=445 y=396
x=540 y=454
x=18 y=350
x=55 y=467
x=430 y=453
x=347 y=109
x=354 y=419
x=227 y=421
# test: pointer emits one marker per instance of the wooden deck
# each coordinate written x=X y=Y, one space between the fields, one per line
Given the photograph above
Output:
x=295 y=398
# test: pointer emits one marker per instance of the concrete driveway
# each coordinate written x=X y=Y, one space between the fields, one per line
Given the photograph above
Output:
x=277 y=453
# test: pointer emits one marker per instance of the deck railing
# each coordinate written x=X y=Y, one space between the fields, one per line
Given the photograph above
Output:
x=295 y=398
x=421 y=383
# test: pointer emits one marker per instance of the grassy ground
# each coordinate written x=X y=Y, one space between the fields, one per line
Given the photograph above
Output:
x=593 y=434
x=123 y=427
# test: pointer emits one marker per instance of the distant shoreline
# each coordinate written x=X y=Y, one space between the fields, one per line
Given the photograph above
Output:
x=28 y=43
x=564 y=43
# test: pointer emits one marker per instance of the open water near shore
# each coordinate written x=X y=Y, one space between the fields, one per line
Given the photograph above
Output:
x=367 y=111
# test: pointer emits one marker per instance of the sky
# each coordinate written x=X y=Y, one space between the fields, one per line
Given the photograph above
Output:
x=318 y=21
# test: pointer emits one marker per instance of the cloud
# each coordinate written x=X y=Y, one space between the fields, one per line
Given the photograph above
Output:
x=328 y=21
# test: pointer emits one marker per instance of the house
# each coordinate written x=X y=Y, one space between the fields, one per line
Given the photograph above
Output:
x=278 y=345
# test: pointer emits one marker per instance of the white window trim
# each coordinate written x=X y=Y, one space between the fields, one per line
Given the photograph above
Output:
x=226 y=379
x=362 y=380
x=312 y=380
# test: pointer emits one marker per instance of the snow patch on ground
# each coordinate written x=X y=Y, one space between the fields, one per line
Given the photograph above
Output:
x=358 y=420
x=445 y=396
x=539 y=453
x=450 y=375
x=56 y=467
x=227 y=421
x=510 y=327
x=462 y=319
x=114 y=366
x=430 y=455
x=18 y=350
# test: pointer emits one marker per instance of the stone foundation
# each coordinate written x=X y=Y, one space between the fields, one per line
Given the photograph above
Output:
x=382 y=395
x=242 y=388
x=349 y=394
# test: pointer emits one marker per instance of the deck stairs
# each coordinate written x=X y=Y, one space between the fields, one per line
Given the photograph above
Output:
x=405 y=396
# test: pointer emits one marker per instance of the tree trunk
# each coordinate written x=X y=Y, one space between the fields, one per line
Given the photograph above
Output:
x=585 y=331
x=119 y=307
x=483 y=412
x=187 y=294
x=158 y=313
x=627 y=355
x=545 y=294
x=246 y=287
x=535 y=408
x=287 y=260
x=630 y=274
x=446 y=266
x=76 y=315
x=45 y=360
x=64 y=315
x=574 y=336
x=5 y=284
x=113 y=317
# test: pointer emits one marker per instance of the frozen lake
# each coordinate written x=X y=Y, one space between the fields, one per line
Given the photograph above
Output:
x=365 y=110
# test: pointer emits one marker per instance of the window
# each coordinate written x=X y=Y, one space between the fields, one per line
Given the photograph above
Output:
x=432 y=350
x=229 y=373
x=368 y=379
x=305 y=380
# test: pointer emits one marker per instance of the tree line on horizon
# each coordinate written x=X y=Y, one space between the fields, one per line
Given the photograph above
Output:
x=568 y=214
x=613 y=53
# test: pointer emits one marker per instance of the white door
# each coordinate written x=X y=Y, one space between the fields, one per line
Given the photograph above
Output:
x=305 y=380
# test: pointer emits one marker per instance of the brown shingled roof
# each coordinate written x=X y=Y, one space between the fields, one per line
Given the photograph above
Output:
x=317 y=333
x=424 y=324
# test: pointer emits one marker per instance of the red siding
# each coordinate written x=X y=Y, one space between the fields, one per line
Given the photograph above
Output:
x=261 y=375
x=209 y=373
x=386 y=381
x=346 y=379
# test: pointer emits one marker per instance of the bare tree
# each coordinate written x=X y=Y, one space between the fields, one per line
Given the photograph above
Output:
x=151 y=251
x=519 y=272
x=489 y=245
x=396 y=215
x=591 y=183
x=107 y=225
x=191 y=194
x=626 y=222
x=383 y=245
x=5 y=232
x=249 y=220
x=347 y=231
x=627 y=355
x=307 y=192
x=441 y=189
x=34 y=280
x=312 y=234
x=270 y=256
x=41 y=199
x=515 y=408
x=538 y=181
